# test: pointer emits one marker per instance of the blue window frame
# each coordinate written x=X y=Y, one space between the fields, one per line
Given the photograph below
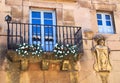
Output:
x=105 y=22
x=42 y=27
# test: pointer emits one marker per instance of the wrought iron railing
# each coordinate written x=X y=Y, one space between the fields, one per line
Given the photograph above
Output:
x=45 y=35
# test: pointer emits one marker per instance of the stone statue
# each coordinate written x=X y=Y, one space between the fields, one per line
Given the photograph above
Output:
x=102 y=63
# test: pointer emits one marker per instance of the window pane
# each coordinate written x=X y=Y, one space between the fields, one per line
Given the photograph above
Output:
x=48 y=31
x=99 y=22
x=48 y=22
x=108 y=23
x=47 y=15
x=36 y=14
x=36 y=30
x=36 y=21
x=99 y=16
x=107 y=17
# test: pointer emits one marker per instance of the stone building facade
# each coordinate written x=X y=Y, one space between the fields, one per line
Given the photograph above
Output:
x=93 y=16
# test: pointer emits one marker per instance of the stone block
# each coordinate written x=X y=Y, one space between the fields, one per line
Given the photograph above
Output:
x=85 y=4
x=3 y=77
x=59 y=16
x=0 y=28
x=115 y=66
x=114 y=1
x=87 y=44
x=114 y=77
x=13 y=2
x=100 y=1
x=113 y=45
x=16 y=12
x=104 y=7
x=115 y=55
x=68 y=15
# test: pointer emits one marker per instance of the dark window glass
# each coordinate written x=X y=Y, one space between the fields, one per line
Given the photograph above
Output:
x=48 y=22
x=108 y=23
x=99 y=16
x=48 y=15
x=36 y=14
x=107 y=17
x=36 y=21
x=99 y=22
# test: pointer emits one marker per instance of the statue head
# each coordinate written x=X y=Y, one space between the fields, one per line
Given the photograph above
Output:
x=99 y=39
x=101 y=42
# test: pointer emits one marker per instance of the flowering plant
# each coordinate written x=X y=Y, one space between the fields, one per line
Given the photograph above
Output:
x=67 y=50
x=26 y=50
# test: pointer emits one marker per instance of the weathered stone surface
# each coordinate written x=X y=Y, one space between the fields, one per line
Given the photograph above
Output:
x=85 y=4
x=68 y=15
x=16 y=13
x=114 y=56
x=113 y=45
x=13 y=2
x=100 y=1
x=55 y=0
x=0 y=28
x=105 y=7
x=3 y=77
x=59 y=16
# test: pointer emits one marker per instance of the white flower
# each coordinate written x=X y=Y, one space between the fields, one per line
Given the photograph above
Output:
x=24 y=44
x=56 y=45
x=55 y=50
x=61 y=56
x=65 y=54
x=22 y=47
x=25 y=52
x=67 y=45
x=38 y=47
x=67 y=51
x=40 y=50
x=60 y=51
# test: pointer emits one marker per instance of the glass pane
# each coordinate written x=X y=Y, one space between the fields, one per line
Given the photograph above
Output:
x=36 y=14
x=99 y=16
x=48 y=22
x=48 y=31
x=36 y=30
x=36 y=21
x=108 y=23
x=48 y=15
x=99 y=22
x=107 y=17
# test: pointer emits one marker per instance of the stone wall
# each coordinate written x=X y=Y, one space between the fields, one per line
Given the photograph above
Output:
x=76 y=13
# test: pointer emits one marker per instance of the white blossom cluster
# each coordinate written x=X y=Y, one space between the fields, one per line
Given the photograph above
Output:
x=61 y=51
x=25 y=49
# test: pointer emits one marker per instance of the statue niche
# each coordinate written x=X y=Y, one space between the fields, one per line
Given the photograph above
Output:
x=102 y=63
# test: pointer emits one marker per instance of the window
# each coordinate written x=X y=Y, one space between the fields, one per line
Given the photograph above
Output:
x=105 y=23
x=42 y=30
